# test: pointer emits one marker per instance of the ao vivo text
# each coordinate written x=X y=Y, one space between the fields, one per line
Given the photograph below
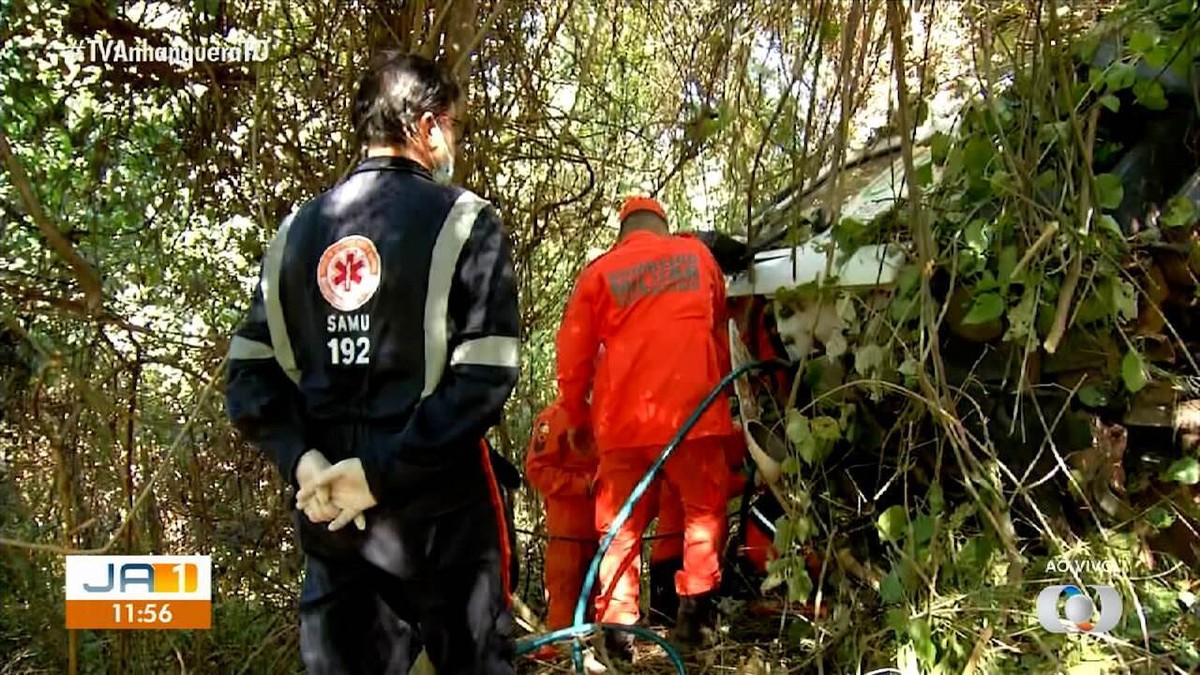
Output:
x=139 y=592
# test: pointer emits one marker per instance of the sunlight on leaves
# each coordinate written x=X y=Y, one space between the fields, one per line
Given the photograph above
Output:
x=1185 y=470
x=892 y=523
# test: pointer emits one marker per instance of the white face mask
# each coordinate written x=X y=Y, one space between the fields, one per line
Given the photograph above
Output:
x=443 y=172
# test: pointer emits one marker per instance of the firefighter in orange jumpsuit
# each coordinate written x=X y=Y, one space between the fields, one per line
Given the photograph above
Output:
x=666 y=553
x=564 y=477
x=656 y=303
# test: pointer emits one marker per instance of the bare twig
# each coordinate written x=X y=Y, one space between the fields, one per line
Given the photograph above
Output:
x=1047 y=234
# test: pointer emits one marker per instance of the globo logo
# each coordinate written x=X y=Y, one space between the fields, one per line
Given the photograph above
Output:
x=1080 y=614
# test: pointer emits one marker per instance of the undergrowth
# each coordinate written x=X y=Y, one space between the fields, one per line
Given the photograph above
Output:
x=960 y=445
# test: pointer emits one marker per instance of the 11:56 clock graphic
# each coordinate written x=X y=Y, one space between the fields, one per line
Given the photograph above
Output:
x=139 y=592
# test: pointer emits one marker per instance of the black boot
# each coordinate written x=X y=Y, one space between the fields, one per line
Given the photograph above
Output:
x=664 y=602
x=696 y=622
x=619 y=647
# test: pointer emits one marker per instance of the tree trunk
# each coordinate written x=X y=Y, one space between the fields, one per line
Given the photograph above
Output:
x=458 y=19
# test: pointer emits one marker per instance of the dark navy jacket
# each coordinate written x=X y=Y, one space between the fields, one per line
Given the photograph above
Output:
x=385 y=327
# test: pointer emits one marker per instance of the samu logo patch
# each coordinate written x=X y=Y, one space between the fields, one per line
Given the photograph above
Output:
x=349 y=272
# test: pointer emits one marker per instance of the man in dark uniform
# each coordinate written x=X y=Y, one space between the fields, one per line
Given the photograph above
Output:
x=380 y=346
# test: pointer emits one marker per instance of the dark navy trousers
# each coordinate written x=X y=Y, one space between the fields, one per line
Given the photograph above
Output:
x=371 y=601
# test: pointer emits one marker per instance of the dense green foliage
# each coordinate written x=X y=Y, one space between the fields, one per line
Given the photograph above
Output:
x=1046 y=312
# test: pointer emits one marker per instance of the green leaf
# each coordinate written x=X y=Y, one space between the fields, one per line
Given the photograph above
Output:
x=975 y=235
x=1109 y=191
x=1120 y=76
x=922 y=639
x=969 y=260
x=1124 y=300
x=909 y=279
x=849 y=233
x=800 y=434
x=808 y=450
x=825 y=428
x=774 y=580
x=1185 y=470
x=1086 y=48
x=1047 y=182
x=922 y=112
x=800 y=585
x=803 y=529
x=814 y=375
x=1021 y=317
x=892 y=522
x=891 y=591
x=1133 y=372
x=1054 y=131
x=977 y=155
x=1001 y=181
x=1150 y=95
x=974 y=555
x=1181 y=212
x=1142 y=41
x=922 y=529
x=784 y=534
x=897 y=620
x=903 y=309
x=1109 y=224
x=1091 y=396
x=939 y=148
x=924 y=175
x=937 y=501
x=1079 y=93
x=987 y=282
x=986 y=307
x=1006 y=264
x=1160 y=518
x=1160 y=55
x=1111 y=102
x=790 y=466
x=1096 y=305
x=797 y=426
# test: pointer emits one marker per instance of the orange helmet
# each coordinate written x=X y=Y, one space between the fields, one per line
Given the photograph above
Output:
x=633 y=204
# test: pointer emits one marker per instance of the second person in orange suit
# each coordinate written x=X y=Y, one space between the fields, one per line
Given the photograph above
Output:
x=656 y=303
x=564 y=478
x=666 y=553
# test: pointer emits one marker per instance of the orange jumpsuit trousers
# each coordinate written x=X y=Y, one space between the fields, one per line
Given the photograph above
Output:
x=564 y=478
x=697 y=473
x=668 y=538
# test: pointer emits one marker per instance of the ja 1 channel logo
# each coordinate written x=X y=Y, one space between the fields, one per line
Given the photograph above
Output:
x=1079 y=612
x=139 y=592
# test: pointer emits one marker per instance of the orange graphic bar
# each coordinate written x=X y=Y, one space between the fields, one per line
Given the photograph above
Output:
x=139 y=614
x=172 y=578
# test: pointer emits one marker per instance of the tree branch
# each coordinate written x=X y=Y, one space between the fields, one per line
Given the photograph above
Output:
x=89 y=282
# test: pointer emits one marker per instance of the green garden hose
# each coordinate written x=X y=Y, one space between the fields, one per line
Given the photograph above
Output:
x=581 y=628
